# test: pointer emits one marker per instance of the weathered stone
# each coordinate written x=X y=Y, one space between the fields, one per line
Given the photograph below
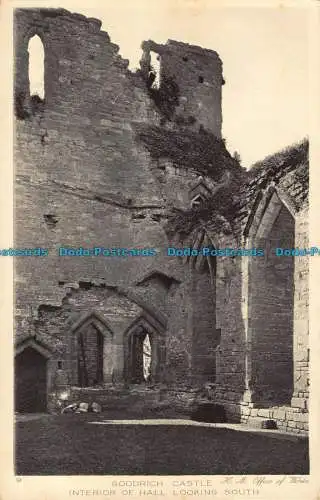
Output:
x=264 y=413
x=298 y=403
x=82 y=408
x=246 y=411
x=279 y=414
x=103 y=162
x=96 y=408
x=292 y=424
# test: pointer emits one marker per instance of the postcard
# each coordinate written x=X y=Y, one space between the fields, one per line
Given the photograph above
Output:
x=160 y=249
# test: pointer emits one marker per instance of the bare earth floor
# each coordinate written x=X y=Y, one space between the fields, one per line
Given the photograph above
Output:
x=95 y=444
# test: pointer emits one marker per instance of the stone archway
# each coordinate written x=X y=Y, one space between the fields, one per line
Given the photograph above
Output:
x=90 y=356
x=31 y=378
x=271 y=304
x=92 y=348
x=144 y=352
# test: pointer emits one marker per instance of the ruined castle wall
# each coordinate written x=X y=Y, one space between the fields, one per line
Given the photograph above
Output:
x=192 y=333
x=77 y=161
x=84 y=179
x=198 y=75
x=177 y=182
x=119 y=312
x=271 y=296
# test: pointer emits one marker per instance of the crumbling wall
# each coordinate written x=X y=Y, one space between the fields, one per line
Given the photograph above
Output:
x=270 y=294
x=194 y=77
x=81 y=177
x=86 y=178
x=101 y=163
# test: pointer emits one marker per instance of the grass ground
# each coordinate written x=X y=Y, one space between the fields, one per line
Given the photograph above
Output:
x=71 y=445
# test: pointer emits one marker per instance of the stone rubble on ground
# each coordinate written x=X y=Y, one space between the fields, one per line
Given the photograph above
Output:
x=82 y=408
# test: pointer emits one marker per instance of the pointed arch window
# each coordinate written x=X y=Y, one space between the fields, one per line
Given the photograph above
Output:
x=144 y=352
x=29 y=87
x=36 y=69
x=199 y=194
x=198 y=201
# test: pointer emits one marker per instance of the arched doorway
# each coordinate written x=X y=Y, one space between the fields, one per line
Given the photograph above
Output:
x=271 y=306
x=91 y=347
x=30 y=381
x=90 y=356
x=144 y=355
x=141 y=356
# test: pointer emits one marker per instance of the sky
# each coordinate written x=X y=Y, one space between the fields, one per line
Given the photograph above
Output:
x=264 y=51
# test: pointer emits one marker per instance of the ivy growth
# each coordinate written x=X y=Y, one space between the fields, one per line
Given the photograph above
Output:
x=189 y=149
x=19 y=106
x=287 y=159
x=26 y=108
x=166 y=97
x=219 y=212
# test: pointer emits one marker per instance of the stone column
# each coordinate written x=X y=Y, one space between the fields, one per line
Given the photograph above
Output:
x=245 y=262
x=300 y=395
x=108 y=359
x=118 y=362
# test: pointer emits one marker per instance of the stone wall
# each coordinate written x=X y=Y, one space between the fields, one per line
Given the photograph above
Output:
x=270 y=359
x=197 y=75
x=84 y=178
x=99 y=163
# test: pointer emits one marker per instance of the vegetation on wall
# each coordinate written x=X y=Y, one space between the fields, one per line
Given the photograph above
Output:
x=166 y=97
x=19 y=106
x=186 y=146
x=201 y=150
x=274 y=166
x=221 y=212
x=218 y=212
x=25 y=108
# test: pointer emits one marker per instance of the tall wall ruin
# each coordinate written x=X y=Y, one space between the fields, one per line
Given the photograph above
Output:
x=104 y=160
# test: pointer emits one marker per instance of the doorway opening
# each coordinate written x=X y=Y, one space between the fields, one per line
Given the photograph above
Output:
x=90 y=356
x=30 y=381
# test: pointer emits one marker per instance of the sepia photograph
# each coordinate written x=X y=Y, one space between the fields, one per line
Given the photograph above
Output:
x=161 y=242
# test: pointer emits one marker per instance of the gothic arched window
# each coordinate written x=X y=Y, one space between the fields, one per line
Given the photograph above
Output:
x=36 y=68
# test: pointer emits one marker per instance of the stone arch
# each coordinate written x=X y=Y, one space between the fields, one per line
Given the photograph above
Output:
x=134 y=337
x=165 y=279
x=31 y=376
x=270 y=301
x=159 y=286
x=146 y=306
x=270 y=199
x=92 y=350
x=199 y=193
x=35 y=343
